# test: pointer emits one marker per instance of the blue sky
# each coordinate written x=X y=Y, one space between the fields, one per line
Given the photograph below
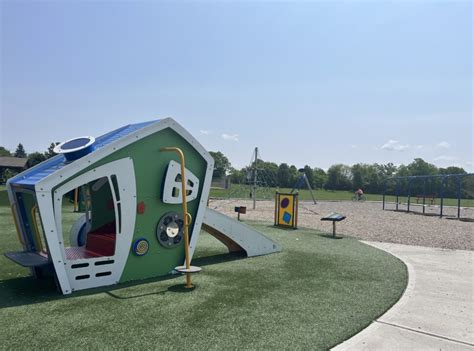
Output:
x=312 y=83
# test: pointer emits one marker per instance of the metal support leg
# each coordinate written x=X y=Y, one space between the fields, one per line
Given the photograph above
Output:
x=424 y=195
x=398 y=193
x=409 y=193
x=459 y=196
x=383 y=197
x=309 y=188
x=441 y=194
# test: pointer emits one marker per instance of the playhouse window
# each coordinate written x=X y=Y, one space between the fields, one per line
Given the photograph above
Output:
x=91 y=219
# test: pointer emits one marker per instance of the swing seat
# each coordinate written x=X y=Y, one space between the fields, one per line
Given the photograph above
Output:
x=431 y=198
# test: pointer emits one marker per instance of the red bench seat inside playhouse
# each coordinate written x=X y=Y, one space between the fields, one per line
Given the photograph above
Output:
x=100 y=242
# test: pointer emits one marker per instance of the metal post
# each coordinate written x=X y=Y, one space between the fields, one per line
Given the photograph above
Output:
x=441 y=195
x=254 y=192
x=424 y=194
x=383 y=195
x=409 y=191
x=459 y=196
x=309 y=187
x=398 y=191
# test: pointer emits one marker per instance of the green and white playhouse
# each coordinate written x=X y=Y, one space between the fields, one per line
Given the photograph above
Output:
x=108 y=210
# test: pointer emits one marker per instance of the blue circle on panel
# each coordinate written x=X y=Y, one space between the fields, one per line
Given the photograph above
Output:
x=141 y=247
x=287 y=217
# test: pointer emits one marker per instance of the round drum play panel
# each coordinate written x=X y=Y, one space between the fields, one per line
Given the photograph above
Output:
x=141 y=247
x=169 y=231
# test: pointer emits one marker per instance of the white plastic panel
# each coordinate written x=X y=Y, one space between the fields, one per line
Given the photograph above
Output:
x=100 y=271
x=172 y=187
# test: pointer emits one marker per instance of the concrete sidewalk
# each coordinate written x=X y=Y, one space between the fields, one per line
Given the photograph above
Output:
x=436 y=311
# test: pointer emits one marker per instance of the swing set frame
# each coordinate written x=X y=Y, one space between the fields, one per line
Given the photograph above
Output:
x=425 y=178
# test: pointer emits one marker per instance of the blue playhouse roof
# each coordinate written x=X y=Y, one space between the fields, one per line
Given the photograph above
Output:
x=31 y=177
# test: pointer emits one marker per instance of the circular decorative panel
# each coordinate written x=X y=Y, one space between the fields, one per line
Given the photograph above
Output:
x=169 y=231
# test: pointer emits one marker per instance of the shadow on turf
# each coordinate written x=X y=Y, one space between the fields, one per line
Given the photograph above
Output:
x=330 y=236
x=321 y=234
x=28 y=290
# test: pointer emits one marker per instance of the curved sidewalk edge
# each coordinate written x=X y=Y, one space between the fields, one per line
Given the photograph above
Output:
x=436 y=311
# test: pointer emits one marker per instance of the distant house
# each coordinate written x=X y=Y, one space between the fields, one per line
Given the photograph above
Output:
x=15 y=164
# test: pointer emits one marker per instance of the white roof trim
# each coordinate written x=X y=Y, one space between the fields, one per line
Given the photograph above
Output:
x=69 y=170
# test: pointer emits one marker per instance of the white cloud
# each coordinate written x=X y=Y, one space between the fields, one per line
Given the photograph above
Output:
x=394 y=145
x=205 y=132
x=232 y=137
x=469 y=163
x=445 y=158
x=419 y=147
x=444 y=145
x=353 y=146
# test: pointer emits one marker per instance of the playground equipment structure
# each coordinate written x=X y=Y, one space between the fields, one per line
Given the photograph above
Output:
x=303 y=180
x=134 y=220
x=258 y=182
x=440 y=185
x=240 y=210
x=334 y=217
x=286 y=210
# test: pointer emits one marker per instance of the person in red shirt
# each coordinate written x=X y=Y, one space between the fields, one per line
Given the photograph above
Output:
x=359 y=192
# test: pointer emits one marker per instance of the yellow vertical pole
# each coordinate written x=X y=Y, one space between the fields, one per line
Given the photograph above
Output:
x=186 y=215
x=76 y=198
x=36 y=231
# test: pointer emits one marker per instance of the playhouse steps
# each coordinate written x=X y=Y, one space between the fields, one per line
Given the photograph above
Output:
x=28 y=259
x=79 y=253
x=101 y=244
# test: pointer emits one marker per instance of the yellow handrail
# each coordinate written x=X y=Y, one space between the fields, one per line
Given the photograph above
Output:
x=76 y=198
x=186 y=215
x=36 y=229
x=20 y=238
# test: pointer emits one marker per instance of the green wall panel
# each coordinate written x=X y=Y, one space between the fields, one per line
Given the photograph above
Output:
x=150 y=166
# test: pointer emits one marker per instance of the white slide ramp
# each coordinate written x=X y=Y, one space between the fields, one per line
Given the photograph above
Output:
x=236 y=235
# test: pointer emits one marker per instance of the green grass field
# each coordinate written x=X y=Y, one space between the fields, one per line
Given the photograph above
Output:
x=3 y=196
x=316 y=293
x=242 y=192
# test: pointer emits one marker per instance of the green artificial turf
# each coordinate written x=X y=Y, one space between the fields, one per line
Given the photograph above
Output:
x=316 y=293
x=4 y=197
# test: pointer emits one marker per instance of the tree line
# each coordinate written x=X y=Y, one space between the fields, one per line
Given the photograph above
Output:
x=33 y=158
x=369 y=177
